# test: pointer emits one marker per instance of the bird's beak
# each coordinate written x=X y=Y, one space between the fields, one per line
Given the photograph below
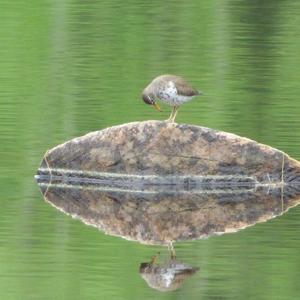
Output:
x=156 y=106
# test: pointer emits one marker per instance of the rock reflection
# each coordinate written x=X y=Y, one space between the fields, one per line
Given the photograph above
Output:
x=167 y=276
x=161 y=217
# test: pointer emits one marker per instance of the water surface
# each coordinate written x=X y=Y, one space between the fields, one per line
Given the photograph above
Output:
x=70 y=67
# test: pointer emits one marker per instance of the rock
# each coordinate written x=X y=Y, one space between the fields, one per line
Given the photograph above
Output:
x=156 y=182
x=160 y=149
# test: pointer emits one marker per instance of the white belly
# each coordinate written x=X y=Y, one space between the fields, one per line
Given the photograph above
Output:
x=168 y=95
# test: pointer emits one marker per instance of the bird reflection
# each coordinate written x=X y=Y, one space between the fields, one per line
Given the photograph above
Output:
x=169 y=275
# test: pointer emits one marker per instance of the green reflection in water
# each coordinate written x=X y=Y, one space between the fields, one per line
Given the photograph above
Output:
x=69 y=67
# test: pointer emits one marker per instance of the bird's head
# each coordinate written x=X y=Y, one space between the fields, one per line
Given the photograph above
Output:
x=150 y=99
x=145 y=267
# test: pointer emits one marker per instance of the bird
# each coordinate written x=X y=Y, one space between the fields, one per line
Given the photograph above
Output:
x=167 y=276
x=170 y=89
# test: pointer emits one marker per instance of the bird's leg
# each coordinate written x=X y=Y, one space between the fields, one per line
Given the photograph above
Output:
x=173 y=114
x=154 y=259
x=171 y=251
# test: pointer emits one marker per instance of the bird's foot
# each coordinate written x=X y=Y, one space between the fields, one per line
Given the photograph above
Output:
x=170 y=120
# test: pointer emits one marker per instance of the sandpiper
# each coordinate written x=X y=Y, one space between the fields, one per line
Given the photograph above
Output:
x=170 y=89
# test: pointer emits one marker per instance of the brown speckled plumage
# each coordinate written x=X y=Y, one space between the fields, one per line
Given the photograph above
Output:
x=182 y=86
x=170 y=89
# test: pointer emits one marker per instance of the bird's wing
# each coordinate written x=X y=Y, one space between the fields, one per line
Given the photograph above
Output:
x=184 y=88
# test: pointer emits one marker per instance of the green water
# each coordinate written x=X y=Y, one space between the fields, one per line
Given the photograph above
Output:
x=70 y=67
